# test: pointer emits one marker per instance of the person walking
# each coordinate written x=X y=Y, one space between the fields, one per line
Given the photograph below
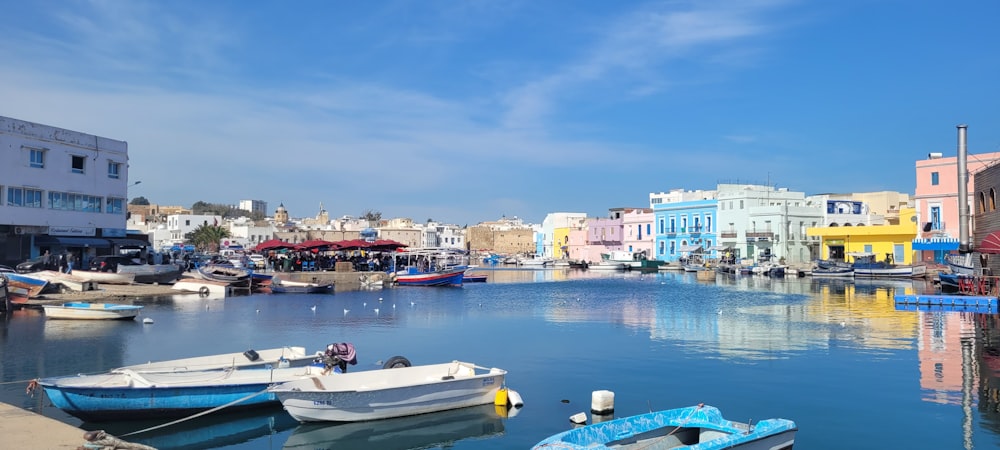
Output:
x=70 y=260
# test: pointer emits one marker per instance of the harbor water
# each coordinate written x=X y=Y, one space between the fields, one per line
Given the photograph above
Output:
x=835 y=356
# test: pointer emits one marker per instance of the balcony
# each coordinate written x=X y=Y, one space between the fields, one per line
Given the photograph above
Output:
x=727 y=235
x=695 y=229
x=760 y=235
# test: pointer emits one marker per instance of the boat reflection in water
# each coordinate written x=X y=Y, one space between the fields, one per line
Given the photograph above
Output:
x=215 y=430
x=420 y=431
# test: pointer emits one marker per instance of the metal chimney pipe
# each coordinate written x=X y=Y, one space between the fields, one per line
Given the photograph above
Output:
x=963 y=192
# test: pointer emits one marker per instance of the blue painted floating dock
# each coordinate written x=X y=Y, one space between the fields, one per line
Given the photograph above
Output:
x=957 y=303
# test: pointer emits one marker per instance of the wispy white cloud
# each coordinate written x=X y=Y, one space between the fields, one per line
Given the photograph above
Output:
x=639 y=49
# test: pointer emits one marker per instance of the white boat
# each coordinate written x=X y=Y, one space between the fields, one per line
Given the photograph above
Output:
x=203 y=287
x=608 y=265
x=91 y=311
x=536 y=262
x=105 y=277
x=865 y=265
x=383 y=394
x=296 y=356
x=131 y=395
x=701 y=427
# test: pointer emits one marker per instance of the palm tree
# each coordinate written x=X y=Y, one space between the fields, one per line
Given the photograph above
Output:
x=207 y=237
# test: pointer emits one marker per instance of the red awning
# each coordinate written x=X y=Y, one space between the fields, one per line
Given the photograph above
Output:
x=273 y=244
x=990 y=244
x=318 y=243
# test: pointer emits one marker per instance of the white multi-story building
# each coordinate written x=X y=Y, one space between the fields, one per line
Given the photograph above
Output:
x=180 y=225
x=764 y=222
x=254 y=206
x=60 y=190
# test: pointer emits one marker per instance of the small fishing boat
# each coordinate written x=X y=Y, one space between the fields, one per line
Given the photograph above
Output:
x=699 y=427
x=475 y=278
x=295 y=356
x=105 y=277
x=228 y=274
x=91 y=311
x=130 y=395
x=833 y=271
x=384 y=394
x=153 y=273
x=279 y=286
x=31 y=285
x=434 y=430
x=430 y=267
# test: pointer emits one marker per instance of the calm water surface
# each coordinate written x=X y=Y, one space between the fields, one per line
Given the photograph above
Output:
x=836 y=357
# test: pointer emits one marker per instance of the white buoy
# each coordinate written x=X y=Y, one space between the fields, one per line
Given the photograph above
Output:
x=514 y=399
x=147 y=320
x=578 y=418
x=602 y=402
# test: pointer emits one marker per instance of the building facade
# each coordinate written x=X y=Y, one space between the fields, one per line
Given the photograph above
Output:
x=61 y=191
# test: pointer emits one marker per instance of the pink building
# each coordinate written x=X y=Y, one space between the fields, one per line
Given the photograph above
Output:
x=603 y=236
x=637 y=231
x=936 y=201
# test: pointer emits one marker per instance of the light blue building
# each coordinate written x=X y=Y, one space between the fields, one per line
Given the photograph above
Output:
x=685 y=227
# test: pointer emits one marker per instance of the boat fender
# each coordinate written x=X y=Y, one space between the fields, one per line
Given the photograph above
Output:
x=602 y=402
x=514 y=398
x=251 y=355
x=203 y=291
x=396 y=362
x=501 y=397
x=578 y=418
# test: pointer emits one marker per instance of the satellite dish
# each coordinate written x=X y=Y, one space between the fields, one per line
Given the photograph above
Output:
x=913 y=219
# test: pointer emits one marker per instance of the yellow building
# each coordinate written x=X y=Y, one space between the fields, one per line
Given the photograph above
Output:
x=560 y=239
x=839 y=242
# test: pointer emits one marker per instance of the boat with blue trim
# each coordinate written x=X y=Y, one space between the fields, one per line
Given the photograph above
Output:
x=699 y=427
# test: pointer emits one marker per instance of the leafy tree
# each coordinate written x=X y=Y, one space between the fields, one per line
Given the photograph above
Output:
x=218 y=209
x=206 y=237
x=373 y=217
x=139 y=201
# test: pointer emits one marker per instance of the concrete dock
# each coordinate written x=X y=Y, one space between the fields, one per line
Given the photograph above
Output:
x=21 y=428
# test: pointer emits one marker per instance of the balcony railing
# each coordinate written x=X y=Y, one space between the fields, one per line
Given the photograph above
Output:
x=727 y=234
x=760 y=235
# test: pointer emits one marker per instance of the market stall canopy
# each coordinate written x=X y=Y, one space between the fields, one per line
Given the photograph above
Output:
x=273 y=244
x=318 y=243
x=690 y=248
x=387 y=244
x=990 y=244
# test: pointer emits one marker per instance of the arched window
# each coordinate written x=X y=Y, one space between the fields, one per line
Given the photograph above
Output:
x=993 y=199
x=982 y=202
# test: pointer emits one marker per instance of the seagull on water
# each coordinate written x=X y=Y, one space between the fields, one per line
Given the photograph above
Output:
x=346 y=311
x=376 y=311
x=313 y=308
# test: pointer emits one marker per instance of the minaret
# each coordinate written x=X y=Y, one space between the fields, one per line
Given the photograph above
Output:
x=281 y=215
x=323 y=217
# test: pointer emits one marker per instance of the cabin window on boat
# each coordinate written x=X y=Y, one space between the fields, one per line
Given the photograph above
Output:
x=36 y=158
x=78 y=163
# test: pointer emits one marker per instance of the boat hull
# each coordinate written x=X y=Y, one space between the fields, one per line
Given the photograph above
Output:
x=153 y=273
x=890 y=272
x=389 y=393
x=129 y=395
x=31 y=285
x=444 y=278
x=91 y=311
x=105 y=277
x=701 y=427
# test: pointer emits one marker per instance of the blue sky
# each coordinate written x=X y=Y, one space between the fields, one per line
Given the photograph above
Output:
x=464 y=111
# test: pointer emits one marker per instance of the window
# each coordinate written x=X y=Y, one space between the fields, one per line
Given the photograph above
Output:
x=741 y=204
x=115 y=205
x=935 y=217
x=672 y=227
x=935 y=178
x=77 y=163
x=868 y=248
x=26 y=197
x=661 y=225
x=982 y=202
x=993 y=199
x=114 y=169
x=36 y=158
x=649 y=228
x=68 y=201
x=673 y=250
x=708 y=224
x=662 y=246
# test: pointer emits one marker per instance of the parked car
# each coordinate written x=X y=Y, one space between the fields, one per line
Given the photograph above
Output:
x=32 y=265
x=259 y=262
x=110 y=263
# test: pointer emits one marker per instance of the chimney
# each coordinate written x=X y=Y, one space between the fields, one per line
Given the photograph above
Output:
x=963 y=192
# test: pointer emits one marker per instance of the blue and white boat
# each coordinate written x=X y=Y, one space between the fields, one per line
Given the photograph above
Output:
x=129 y=395
x=91 y=311
x=430 y=267
x=700 y=427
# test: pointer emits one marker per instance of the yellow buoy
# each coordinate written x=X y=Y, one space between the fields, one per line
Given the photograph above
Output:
x=501 y=398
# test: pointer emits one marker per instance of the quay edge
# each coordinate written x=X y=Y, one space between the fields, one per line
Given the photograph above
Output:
x=21 y=428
